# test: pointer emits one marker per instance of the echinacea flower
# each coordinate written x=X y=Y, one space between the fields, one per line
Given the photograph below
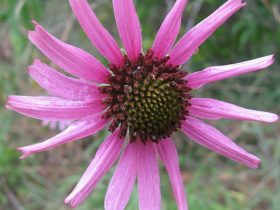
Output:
x=143 y=98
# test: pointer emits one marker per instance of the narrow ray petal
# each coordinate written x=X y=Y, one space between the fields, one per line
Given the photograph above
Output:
x=129 y=27
x=148 y=178
x=191 y=41
x=53 y=108
x=80 y=129
x=123 y=180
x=98 y=35
x=214 y=109
x=70 y=58
x=169 y=156
x=216 y=73
x=169 y=29
x=213 y=139
x=105 y=157
x=58 y=84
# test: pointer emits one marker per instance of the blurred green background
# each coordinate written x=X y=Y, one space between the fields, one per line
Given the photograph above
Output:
x=212 y=182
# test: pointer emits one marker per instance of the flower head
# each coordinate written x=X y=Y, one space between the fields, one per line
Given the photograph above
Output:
x=143 y=97
x=148 y=98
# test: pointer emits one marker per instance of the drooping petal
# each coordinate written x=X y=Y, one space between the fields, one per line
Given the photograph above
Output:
x=70 y=58
x=191 y=41
x=98 y=35
x=80 y=129
x=216 y=73
x=213 y=139
x=214 y=109
x=169 y=30
x=129 y=27
x=53 y=108
x=123 y=180
x=148 y=178
x=168 y=154
x=58 y=84
x=105 y=157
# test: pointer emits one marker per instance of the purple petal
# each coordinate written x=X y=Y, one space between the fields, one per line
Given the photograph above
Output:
x=168 y=154
x=148 y=177
x=105 y=157
x=123 y=180
x=213 y=139
x=129 y=27
x=191 y=41
x=213 y=109
x=169 y=30
x=98 y=35
x=58 y=84
x=53 y=108
x=216 y=73
x=80 y=129
x=70 y=58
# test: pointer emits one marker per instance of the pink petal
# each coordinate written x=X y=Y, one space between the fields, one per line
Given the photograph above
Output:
x=168 y=154
x=169 y=30
x=213 y=139
x=148 y=178
x=53 y=108
x=191 y=41
x=98 y=35
x=129 y=27
x=105 y=157
x=123 y=180
x=58 y=84
x=70 y=58
x=80 y=129
x=213 y=109
x=216 y=73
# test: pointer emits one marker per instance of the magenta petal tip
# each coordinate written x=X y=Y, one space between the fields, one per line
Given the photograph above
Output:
x=259 y=162
x=274 y=118
x=34 y=22
x=24 y=153
x=36 y=25
x=72 y=203
x=8 y=103
x=69 y=202
x=256 y=163
x=270 y=59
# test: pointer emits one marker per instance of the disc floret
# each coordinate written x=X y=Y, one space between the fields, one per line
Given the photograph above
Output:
x=148 y=98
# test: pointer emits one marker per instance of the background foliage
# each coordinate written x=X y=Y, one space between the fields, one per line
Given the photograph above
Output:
x=212 y=182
